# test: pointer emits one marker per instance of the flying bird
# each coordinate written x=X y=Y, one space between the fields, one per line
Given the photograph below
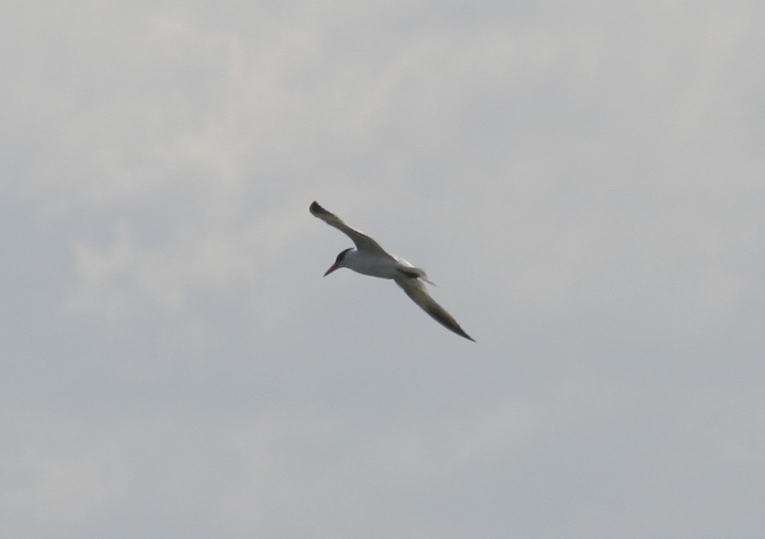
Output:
x=369 y=258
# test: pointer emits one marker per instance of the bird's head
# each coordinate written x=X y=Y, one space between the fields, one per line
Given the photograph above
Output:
x=339 y=261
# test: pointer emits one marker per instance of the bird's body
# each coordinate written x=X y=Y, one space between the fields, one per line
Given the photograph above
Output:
x=372 y=264
x=369 y=258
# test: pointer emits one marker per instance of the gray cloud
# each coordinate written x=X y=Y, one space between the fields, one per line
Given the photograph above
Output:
x=583 y=181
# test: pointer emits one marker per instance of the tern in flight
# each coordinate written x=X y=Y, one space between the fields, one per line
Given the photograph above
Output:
x=369 y=258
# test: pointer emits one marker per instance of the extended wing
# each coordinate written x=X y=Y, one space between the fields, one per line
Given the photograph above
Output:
x=362 y=241
x=415 y=289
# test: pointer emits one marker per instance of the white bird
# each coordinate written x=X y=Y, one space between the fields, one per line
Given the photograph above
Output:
x=369 y=258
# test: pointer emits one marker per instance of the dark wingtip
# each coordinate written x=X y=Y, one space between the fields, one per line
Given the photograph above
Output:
x=446 y=320
x=316 y=208
x=461 y=333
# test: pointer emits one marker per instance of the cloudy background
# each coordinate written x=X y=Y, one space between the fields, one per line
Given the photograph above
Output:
x=584 y=180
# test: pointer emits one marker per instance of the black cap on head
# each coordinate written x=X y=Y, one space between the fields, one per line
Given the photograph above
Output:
x=342 y=254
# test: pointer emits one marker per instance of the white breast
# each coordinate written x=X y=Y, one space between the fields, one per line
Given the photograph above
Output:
x=372 y=264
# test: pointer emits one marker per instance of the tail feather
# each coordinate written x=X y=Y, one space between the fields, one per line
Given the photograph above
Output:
x=416 y=273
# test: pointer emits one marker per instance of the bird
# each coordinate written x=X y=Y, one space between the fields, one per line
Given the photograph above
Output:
x=369 y=258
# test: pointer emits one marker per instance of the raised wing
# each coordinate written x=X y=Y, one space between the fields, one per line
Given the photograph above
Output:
x=362 y=241
x=415 y=289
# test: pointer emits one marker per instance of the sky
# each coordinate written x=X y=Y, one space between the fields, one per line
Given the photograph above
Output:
x=583 y=180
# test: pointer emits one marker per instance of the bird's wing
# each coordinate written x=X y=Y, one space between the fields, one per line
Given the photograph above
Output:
x=415 y=289
x=362 y=241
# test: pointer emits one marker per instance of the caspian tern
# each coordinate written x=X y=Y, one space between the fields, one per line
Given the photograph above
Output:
x=369 y=258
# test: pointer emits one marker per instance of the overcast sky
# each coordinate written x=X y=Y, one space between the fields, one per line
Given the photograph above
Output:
x=585 y=181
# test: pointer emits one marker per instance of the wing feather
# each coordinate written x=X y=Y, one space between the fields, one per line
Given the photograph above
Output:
x=415 y=289
x=361 y=240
